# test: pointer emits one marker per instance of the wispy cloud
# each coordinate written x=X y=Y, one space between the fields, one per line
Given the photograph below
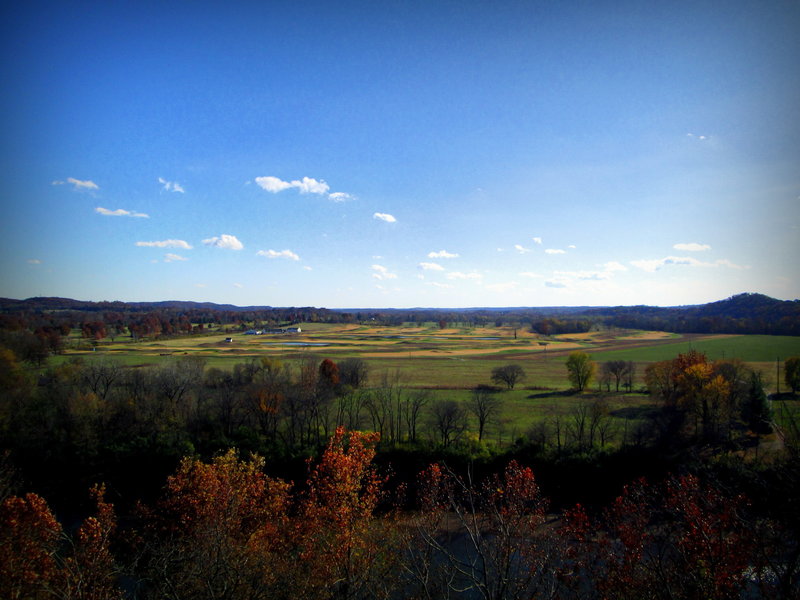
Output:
x=584 y=275
x=238 y=285
x=653 y=265
x=228 y=242
x=384 y=217
x=583 y=278
x=171 y=186
x=429 y=266
x=382 y=273
x=537 y=240
x=340 y=196
x=555 y=251
x=278 y=254
x=692 y=247
x=702 y=138
x=614 y=266
x=724 y=262
x=166 y=244
x=170 y=257
x=555 y=283
x=529 y=274
x=521 y=249
x=473 y=276
x=120 y=212
x=79 y=184
x=442 y=254
x=444 y=286
x=34 y=261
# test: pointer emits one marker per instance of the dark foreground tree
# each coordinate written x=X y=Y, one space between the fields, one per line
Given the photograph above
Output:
x=449 y=421
x=485 y=405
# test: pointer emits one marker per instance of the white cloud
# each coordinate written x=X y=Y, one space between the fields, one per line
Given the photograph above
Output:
x=692 y=247
x=697 y=137
x=307 y=268
x=555 y=251
x=614 y=266
x=521 y=249
x=224 y=240
x=34 y=261
x=459 y=275
x=169 y=257
x=340 y=196
x=282 y=254
x=653 y=265
x=79 y=184
x=442 y=254
x=382 y=273
x=238 y=285
x=529 y=274
x=584 y=275
x=273 y=184
x=384 y=217
x=572 y=246
x=200 y=285
x=166 y=244
x=306 y=185
x=445 y=286
x=120 y=212
x=171 y=186
x=429 y=266
x=555 y=283
x=537 y=240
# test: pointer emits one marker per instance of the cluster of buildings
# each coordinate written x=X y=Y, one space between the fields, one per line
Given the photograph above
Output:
x=272 y=331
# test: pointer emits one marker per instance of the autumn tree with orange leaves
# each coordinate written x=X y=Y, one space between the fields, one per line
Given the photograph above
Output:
x=337 y=529
x=218 y=532
x=37 y=560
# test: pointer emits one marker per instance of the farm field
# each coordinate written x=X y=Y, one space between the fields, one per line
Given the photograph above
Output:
x=453 y=358
x=451 y=362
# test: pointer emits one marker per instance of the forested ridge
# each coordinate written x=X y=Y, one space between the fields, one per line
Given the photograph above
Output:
x=740 y=314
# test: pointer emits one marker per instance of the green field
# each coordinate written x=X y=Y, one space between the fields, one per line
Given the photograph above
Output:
x=749 y=348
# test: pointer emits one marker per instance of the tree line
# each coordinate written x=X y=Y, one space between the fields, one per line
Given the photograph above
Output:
x=741 y=314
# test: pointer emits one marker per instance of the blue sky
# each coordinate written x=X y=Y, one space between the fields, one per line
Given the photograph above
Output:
x=400 y=154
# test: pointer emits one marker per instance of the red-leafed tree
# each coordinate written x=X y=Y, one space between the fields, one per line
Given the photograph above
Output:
x=337 y=531
x=218 y=532
x=29 y=539
x=681 y=540
x=483 y=538
x=90 y=573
